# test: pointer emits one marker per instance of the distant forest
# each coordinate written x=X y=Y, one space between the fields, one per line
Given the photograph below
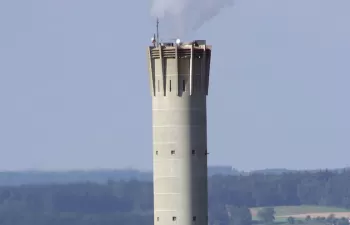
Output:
x=101 y=176
x=131 y=201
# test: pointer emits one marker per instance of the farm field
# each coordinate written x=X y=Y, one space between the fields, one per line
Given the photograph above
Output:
x=300 y=212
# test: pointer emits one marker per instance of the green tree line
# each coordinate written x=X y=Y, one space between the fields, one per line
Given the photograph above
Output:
x=131 y=202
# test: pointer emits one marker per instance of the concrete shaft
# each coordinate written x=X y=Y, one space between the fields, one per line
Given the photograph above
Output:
x=179 y=78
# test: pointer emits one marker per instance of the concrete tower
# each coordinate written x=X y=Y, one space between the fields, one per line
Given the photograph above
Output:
x=179 y=81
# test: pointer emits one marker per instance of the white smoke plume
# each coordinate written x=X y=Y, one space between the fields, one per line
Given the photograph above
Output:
x=184 y=16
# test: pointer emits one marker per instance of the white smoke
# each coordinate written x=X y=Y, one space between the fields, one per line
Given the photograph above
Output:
x=184 y=16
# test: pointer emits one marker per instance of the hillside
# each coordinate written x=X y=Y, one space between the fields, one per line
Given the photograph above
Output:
x=8 y=178
x=131 y=202
x=100 y=176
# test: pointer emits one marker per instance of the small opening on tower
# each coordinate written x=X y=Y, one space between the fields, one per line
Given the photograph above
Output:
x=194 y=218
x=158 y=86
x=172 y=152
x=157 y=218
x=156 y=152
x=170 y=85
x=193 y=152
x=174 y=218
x=183 y=85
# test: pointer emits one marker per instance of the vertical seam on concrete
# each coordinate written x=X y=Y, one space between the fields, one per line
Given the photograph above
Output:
x=177 y=71
x=191 y=69
x=151 y=74
x=204 y=71
x=207 y=69
x=161 y=67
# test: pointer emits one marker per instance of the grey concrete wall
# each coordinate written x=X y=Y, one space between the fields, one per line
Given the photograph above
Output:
x=179 y=89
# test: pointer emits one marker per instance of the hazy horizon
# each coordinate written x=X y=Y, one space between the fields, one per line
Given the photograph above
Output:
x=68 y=170
x=74 y=88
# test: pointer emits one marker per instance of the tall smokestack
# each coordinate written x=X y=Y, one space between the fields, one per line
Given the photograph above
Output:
x=179 y=82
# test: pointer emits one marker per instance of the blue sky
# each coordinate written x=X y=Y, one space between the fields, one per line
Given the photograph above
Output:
x=279 y=91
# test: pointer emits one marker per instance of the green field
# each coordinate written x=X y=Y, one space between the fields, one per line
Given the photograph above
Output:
x=300 y=212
